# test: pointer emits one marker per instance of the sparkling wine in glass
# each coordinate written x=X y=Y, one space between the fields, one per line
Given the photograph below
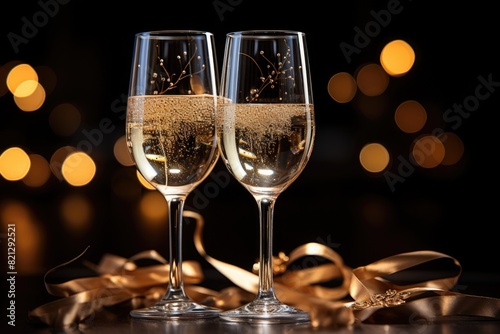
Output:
x=265 y=133
x=170 y=129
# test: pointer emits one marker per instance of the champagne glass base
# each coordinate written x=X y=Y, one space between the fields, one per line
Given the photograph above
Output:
x=175 y=310
x=265 y=312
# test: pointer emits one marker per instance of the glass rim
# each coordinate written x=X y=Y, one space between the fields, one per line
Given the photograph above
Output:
x=265 y=33
x=172 y=33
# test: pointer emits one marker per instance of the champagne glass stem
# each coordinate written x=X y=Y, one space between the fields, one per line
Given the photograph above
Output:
x=266 y=307
x=176 y=286
x=175 y=304
x=266 y=211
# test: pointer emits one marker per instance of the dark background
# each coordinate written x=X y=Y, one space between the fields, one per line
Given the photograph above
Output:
x=449 y=209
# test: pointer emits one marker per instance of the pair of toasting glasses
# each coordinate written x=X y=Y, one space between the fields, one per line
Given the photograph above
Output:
x=258 y=119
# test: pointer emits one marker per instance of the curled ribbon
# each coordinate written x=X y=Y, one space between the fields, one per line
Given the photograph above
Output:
x=119 y=280
x=379 y=292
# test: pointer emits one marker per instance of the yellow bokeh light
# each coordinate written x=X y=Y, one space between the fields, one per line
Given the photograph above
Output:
x=372 y=80
x=397 y=57
x=39 y=171
x=342 y=87
x=410 y=116
x=57 y=160
x=144 y=182
x=20 y=74
x=14 y=164
x=26 y=88
x=4 y=72
x=154 y=208
x=78 y=169
x=374 y=157
x=121 y=152
x=31 y=102
x=428 y=151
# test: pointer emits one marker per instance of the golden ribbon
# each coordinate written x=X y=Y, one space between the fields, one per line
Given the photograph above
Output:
x=380 y=292
x=120 y=280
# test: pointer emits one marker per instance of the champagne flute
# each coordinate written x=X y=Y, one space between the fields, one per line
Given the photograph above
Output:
x=170 y=130
x=265 y=133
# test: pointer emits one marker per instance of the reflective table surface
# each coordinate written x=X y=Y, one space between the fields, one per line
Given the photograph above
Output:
x=31 y=293
x=122 y=324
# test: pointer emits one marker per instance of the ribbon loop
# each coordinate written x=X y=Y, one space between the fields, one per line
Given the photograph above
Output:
x=369 y=294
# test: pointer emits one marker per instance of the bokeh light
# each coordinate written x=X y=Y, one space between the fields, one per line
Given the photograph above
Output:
x=374 y=157
x=23 y=82
x=144 y=182
x=39 y=172
x=154 y=208
x=33 y=101
x=26 y=88
x=342 y=87
x=454 y=148
x=14 y=164
x=4 y=72
x=78 y=169
x=397 y=58
x=428 y=151
x=372 y=80
x=410 y=116
x=20 y=74
x=57 y=160
x=121 y=152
